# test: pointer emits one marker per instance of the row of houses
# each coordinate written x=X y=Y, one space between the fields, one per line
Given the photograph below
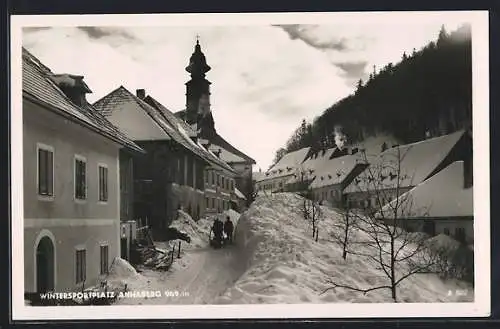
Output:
x=432 y=176
x=90 y=170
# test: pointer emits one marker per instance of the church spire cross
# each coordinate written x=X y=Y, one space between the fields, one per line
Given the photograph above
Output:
x=197 y=62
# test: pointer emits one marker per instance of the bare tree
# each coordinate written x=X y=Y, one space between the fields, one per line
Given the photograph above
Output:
x=311 y=210
x=344 y=229
x=381 y=216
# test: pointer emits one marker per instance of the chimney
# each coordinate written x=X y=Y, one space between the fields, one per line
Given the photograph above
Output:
x=140 y=93
x=73 y=87
x=468 y=173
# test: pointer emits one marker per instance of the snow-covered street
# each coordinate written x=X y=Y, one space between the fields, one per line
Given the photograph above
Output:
x=198 y=277
x=275 y=260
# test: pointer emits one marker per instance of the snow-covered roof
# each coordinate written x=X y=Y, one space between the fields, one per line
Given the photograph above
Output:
x=416 y=161
x=184 y=134
x=217 y=139
x=114 y=102
x=165 y=126
x=239 y=194
x=258 y=175
x=335 y=170
x=287 y=165
x=442 y=195
x=225 y=155
x=39 y=83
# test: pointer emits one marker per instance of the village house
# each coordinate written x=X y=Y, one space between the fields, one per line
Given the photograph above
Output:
x=287 y=169
x=198 y=114
x=402 y=167
x=442 y=204
x=219 y=179
x=333 y=172
x=71 y=157
x=167 y=165
x=172 y=174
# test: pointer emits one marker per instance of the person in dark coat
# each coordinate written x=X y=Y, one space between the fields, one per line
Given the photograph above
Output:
x=228 y=229
x=218 y=229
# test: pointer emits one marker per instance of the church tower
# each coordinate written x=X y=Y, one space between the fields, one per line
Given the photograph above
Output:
x=198 y=93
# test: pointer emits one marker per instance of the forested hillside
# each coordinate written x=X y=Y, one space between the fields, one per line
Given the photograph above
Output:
x=428 y=93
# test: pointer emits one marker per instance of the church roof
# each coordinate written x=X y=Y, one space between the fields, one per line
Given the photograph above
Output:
x=232 y=153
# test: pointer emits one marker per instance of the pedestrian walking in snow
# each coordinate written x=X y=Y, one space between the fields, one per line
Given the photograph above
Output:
x=218 y=229
x=228 y=229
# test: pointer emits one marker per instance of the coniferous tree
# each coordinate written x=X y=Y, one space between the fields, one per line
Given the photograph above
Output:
x=425 y=95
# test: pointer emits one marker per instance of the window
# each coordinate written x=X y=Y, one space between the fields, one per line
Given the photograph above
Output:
x=80 y=266
x=213 y=178
x=222 y=182
x=208 y=202
x=218 y=180
x=80 y=178
x=207 y=177
x=45 y=170
x=231 y=185
x=103 y=183
x=104 y=259
x=460 y=234
x=446 y=231
x=213 y=203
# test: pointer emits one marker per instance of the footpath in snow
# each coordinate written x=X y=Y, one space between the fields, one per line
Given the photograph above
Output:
x=198 y=277
x=275 y=260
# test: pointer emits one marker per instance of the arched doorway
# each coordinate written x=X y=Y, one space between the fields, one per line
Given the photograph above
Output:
x=45 y=265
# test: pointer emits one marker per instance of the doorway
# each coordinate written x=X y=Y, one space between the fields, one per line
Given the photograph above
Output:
x=124 y=248
x=45 y=265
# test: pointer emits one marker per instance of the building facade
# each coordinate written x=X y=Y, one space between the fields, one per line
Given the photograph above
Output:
x=170 y=175
x=219 y=190
x=71 y=183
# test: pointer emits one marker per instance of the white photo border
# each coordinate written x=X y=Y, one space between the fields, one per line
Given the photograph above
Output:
x=480 y=56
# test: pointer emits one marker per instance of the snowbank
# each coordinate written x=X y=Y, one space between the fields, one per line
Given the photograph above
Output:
x=199 y=231
x=185 y=224
x=285 y=265
x=457 y=261
x=122 y=269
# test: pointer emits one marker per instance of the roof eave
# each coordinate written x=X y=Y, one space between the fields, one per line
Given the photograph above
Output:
x=74 y=119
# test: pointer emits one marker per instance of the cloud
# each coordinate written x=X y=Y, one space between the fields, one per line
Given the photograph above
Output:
x=353 y=71
x=94 y=32
x=35 y=28
x=306 y=34
x=263 y=81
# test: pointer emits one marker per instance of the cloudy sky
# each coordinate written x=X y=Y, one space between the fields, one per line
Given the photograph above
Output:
x=265 y=78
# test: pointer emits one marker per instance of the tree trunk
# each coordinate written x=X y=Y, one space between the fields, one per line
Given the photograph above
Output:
x=393 y=272
x=346 y=235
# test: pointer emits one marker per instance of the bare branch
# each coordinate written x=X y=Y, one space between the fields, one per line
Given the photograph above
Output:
x=364 y=291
